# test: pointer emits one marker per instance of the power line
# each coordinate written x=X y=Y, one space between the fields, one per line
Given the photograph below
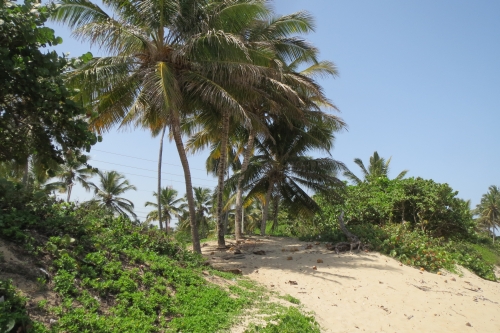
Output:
x=144 y=159
x=177 y=181
x=167 y=173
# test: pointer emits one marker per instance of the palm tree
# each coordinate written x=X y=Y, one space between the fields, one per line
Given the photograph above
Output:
x=107 y=194
x=281 y=167
x=378 y=167
x=170 y=206
x=168 y=58
x=271 y=96
x=489 y=210
x=203 y=200
x=203 y=204
x=70 y=173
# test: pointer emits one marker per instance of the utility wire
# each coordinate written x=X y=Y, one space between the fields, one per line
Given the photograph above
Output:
x=167 y=173
x=145 y=159
x=177 y=181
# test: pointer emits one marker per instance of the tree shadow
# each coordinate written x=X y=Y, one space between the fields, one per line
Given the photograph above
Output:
x=292 y=258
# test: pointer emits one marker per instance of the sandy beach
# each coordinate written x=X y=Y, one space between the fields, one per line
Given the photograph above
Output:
x=365 y=291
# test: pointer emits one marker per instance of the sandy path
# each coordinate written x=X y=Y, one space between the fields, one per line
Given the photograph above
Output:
x=367 y=291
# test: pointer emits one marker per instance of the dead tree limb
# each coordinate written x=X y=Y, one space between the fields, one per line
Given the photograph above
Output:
x=354 y=241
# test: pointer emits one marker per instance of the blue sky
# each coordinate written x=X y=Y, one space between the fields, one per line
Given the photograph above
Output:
x=419 y=81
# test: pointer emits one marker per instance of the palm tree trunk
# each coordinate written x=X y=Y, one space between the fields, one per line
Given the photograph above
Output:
x=275 y=218
x=226 y=214
x=221 y=243
x=70 y=187
x=159 y=177
x=176 y=131
x=265 y=209
x=238 y=219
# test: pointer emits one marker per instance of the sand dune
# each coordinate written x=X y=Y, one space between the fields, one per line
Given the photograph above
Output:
x=366 y=291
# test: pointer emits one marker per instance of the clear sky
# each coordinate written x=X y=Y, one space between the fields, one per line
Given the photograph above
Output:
x=419 y=81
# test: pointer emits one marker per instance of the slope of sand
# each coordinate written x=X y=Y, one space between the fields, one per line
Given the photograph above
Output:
x=366 y=291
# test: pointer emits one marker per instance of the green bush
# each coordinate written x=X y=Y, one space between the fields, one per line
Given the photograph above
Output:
x=13 y=314
x=424 y=204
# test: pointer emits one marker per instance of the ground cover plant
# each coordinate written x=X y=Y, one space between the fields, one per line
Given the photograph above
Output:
x=110 y=275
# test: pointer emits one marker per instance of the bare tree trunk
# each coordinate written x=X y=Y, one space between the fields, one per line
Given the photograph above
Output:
x=176 y=131
x=159 y=177
x=265 y=209
x=221 y=243
x=238 y=218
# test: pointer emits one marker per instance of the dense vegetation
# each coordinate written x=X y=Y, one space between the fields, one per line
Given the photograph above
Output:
x=37 y=115
x=418 y=221
x=113 y=276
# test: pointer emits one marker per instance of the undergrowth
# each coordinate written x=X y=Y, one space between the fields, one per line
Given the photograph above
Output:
x=113 y=276
x=419 y=249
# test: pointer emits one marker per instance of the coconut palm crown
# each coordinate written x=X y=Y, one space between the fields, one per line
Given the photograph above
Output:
x=170 y=206
x=378 y=167
x=489 y=210
x=108 y=193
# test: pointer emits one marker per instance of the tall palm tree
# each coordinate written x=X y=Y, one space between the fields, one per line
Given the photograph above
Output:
x=281 y=167
x=71 y=173
x=108 y=193
x=489 y=210
x=167 y=59
x=170 y=206
x=378 y=167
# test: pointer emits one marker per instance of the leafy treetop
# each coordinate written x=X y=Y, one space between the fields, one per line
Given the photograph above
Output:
x=37 y=115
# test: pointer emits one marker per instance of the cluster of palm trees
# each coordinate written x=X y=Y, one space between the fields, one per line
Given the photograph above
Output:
x=108 y=189
x=230 y=75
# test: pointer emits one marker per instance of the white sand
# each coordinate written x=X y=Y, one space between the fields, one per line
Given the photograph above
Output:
x=367 y=291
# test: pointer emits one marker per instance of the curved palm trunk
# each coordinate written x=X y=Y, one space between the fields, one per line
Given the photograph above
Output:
x=238 y=225
x=221 y=243
x=176 y=131
x=159 y=177
x=265 y=209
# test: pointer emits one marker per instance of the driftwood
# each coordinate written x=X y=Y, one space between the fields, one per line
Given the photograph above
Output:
x=353 y=243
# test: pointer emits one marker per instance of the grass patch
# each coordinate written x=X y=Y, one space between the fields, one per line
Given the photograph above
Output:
x=291 y=299
x=288 y=320
x=488 y=255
